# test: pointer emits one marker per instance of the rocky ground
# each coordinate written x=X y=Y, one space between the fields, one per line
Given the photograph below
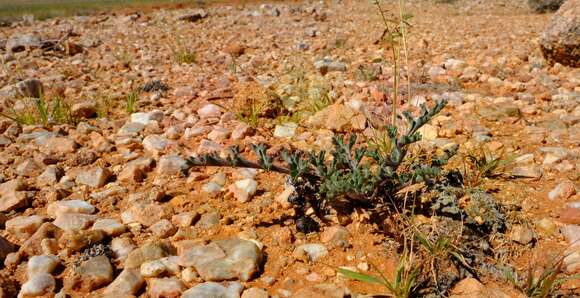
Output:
x=97 y=198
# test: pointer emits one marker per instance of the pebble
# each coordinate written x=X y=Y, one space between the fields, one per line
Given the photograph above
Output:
x=37 y=285
x=562 y=191
x=286 y=130
x=171 y=165
x=92 y=274
x=94 y=177
x=70 y=206
x=22 y=227
x=163 y=229
x=255 y=293
x=213 y=289
x=243 y=190
x=165 y=287
x=121 y=248
x=209 y=111
x=128 y=282
x=41 y=264
x=111 y=227
x=312 y=251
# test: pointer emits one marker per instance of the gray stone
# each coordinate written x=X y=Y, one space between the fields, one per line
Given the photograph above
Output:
x=209 y=111
x=131 y=129
x=522 y=235
x=327 y=65
x=155 y=143
x=215 y=290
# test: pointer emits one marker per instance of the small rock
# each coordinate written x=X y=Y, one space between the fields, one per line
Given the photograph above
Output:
x=335 y=117
x=11 y=195
x=243 y=190
x=70 y=206
x=60 y=146
x=163 y=229
x=521 y=234
x=215 y=290
x=155 y=144
x=33 y=245
x=562 y=191
x=41 y=264
x=146 y=214
x=127 y=283
x=37 y=285
x=92 y=274
x=286 y=130
x=531 y=171
x=165 y=288
x=472 y=288
x=185 y=219
x=111 y=227
x=74 y=221
x=86 y=109
x=195 y=16
x=171 y=165
x=209 y=111
x=152 y=268
x=326 y=65
x=569 y=215
x=28 y=168
x=121 y=248
x=78 y=240
x=542 y=6
x=255 y=293
x=561 y=39
x=148 y=252
x=21 y=42
x=50 y=176
x=313 y=251
x=208 y=220
x=94 y=177
x=22 y=227
x=335 y=236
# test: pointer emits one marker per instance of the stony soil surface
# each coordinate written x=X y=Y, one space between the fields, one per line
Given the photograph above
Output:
x=109 y=207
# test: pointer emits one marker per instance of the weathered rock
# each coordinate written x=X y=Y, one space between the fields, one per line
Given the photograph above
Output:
x=59 y=146
x=326 y=65
x=165 y=288
x=22 y=227
x=37 y=285
x=77 y=240
x=311 y=252
x=163 y=229
x=155 y=144
x=127 y=283
x=569 y=215
x=92 y=274
x=542 y=6
x=121 y=248
x=224 y=259
x=111 y=227
x=74 y=221
x=94 y=177
x=243 y=190
x=563 y=190
x=209 y=111
x=334 y=117
x=70 y=206
x=12 y=196
x=50 y=176
x=195 y=16
x=286 y=130
x=335 y=236
x=148 y=252
x=146 y=214
x=171 y=165
x=28 y=168
x=215 y=290
x=41 y=264
x=33 y=246
x=532 y=171
x=209 y=220
x=560 y=41
x=255 y=293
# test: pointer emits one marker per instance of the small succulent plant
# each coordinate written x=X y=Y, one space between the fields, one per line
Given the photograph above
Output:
x=359 y=174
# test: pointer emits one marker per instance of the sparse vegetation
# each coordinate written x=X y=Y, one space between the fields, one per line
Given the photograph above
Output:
x=39 y=111
x=130 y=102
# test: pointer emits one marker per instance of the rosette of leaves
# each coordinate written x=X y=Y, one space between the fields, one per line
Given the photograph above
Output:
x=350 y=172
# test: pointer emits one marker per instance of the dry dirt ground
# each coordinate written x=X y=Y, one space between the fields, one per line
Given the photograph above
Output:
x=481 y=56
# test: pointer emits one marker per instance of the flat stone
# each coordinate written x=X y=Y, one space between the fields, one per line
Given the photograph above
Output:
x=165 y=288
x=209 y=111
x=33 y=245
x=146 y=214
x=155 y=143
x=336 y=117
x=28 y=168
x=131 y=129
x=215 y=290
x=22 y=227
x=70 y=206
x=111 y=227
x=59 y=146
x=336 y=236
x=78 y=240
x=224 y=259
x=185 y=219
x=571 y=233
x=532 y=171
x=128 y=282
x=92 y=274
x=208 y=220
x=74 y=221
x=286 y=130
x=94 y=177
x=521 y=234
